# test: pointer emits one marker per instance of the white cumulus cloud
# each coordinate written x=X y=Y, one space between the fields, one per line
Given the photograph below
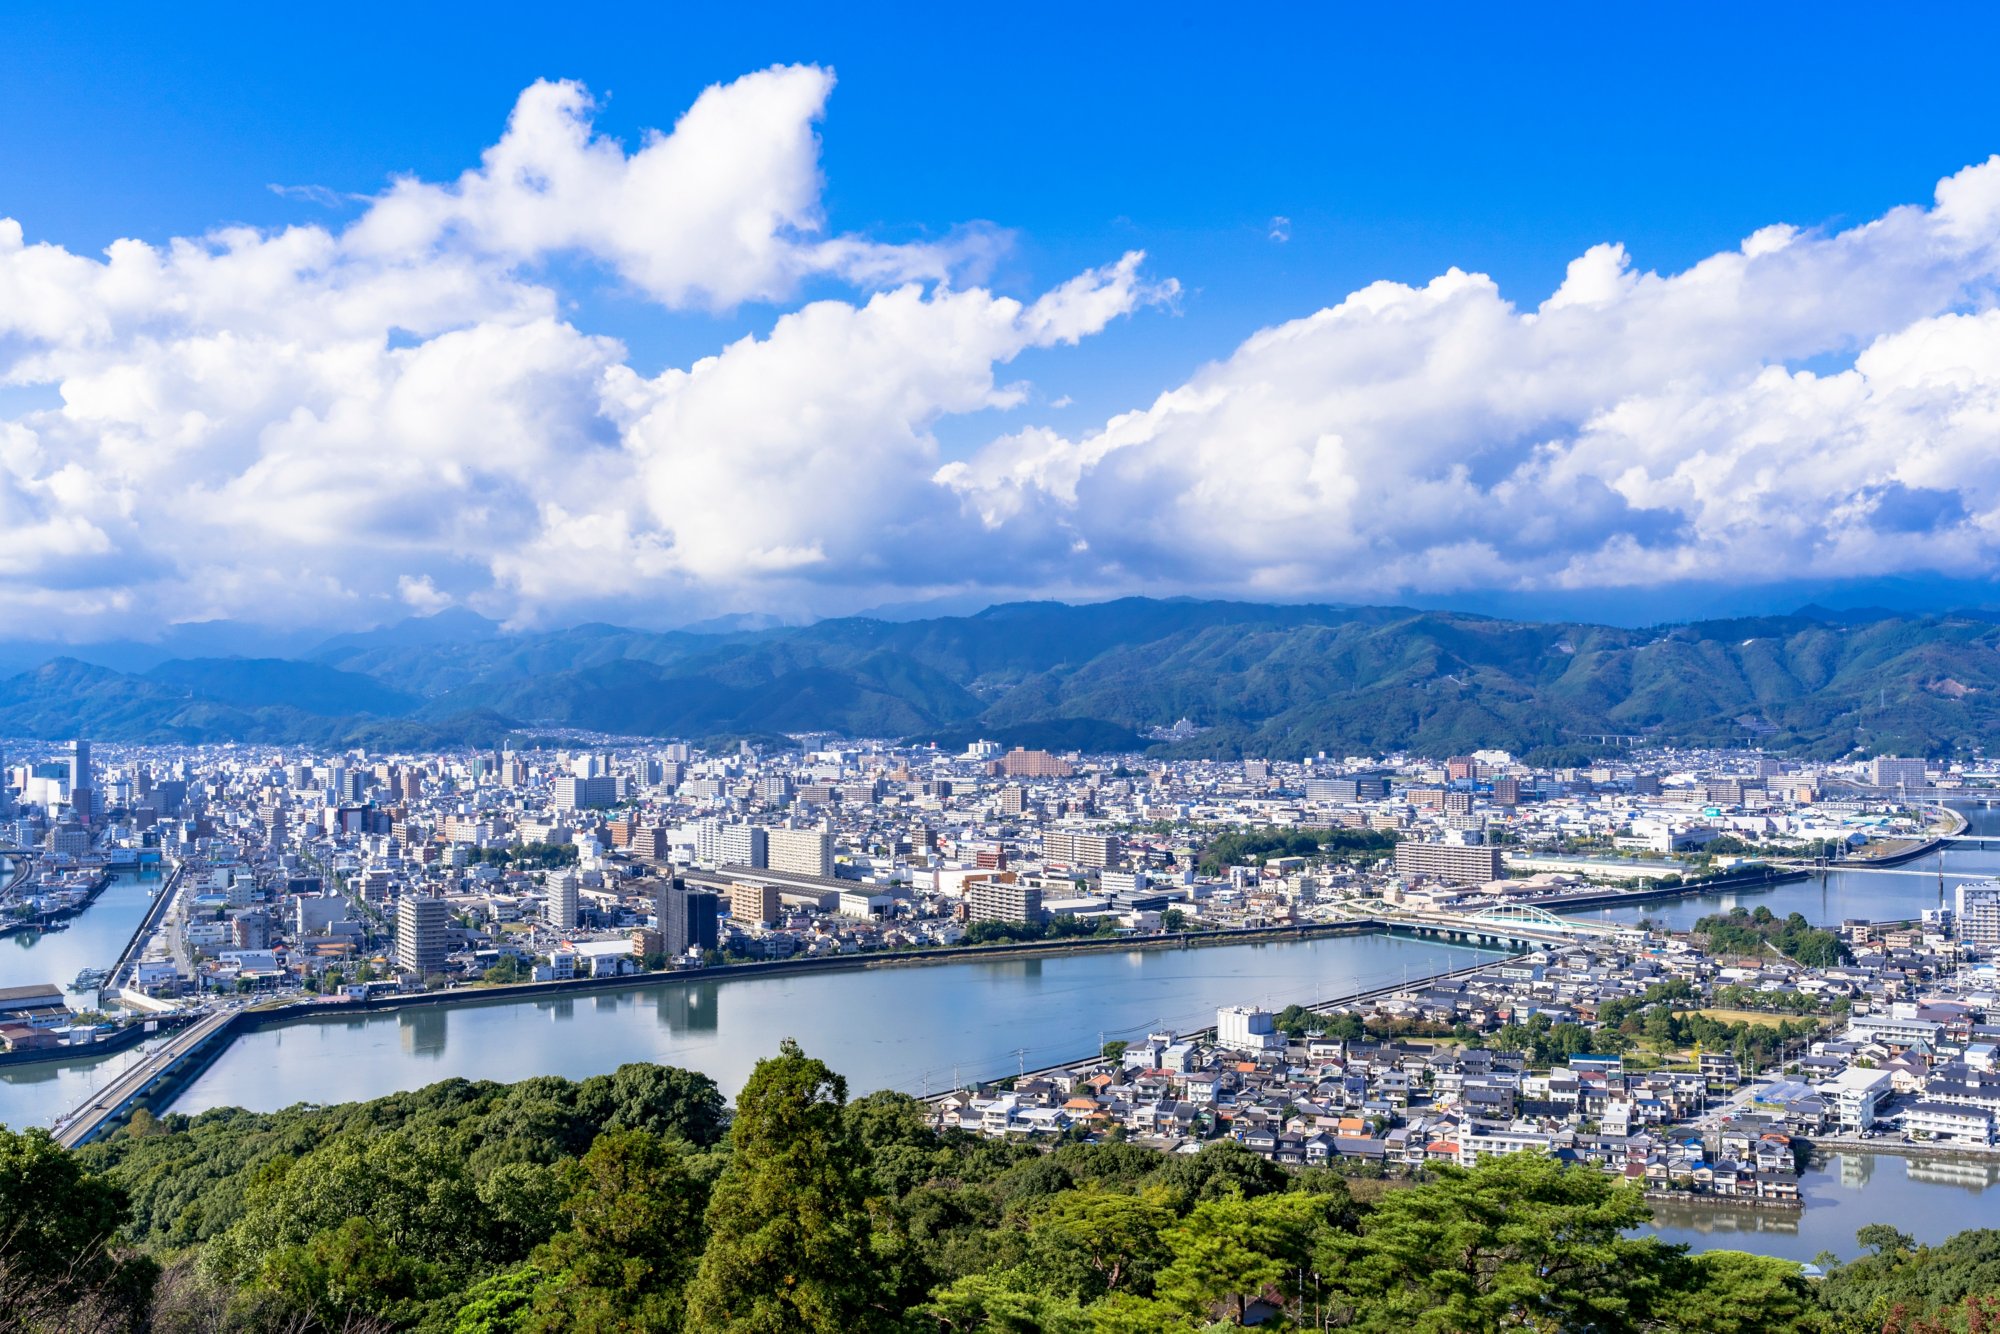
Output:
x=346 y=422
x=1634 y=428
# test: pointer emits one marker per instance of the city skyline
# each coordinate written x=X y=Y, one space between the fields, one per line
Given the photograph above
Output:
x=655 y=344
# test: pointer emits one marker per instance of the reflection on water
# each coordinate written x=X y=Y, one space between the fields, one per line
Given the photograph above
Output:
x=1843 y=1196
x=423 y=1030
x=1968 y=1174
x=902 y=1028
x=693 y=1008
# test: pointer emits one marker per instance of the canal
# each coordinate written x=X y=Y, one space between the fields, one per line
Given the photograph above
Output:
x=93 y=939
x=907 y=1028
x=37 y=1092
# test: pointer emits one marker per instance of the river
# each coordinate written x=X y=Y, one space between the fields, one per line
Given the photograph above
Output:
x=908 y=1028
x=94 y=939
x=1888 y=894
x=1929 y=1198
x=915 y=1028
x=36 y=1092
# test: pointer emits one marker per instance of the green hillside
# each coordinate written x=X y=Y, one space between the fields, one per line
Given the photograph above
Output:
x=1273 y=680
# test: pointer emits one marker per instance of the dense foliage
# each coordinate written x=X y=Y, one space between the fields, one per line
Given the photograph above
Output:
x=1744 y=931
x=528 y=857
x=1060 y=926
x=1263 y=680
x=626 y=1203
x=1238 y=847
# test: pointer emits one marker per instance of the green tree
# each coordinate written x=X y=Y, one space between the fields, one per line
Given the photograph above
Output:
x=992 y=1304
x=1520 y=1241
x=1088 y=1244
x=788 y=1226
x=59 y=1237
x=1730 y=1292
x=633 y=1239
x=1228 y=1251
x=343 y=1274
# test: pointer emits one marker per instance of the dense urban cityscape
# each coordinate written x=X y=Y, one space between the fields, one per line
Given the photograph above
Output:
x=836 y=671
x=300 y=880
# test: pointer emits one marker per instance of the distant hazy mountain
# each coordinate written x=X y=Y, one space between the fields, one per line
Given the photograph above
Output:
x=1277 y=680
x=277 y=683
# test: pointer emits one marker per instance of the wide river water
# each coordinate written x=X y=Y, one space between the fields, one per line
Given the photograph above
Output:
x=915 y=1028
x=907 y=1028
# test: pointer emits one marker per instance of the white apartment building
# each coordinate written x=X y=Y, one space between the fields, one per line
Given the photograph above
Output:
x=1245 y=1028
x=800 y=851
x=1979 y=914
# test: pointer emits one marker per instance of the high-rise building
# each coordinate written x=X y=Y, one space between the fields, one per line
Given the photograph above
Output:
x=1022 y=763
x=1979 y=914
x=1464 y=864
x=82 y=796
x=754 y=903
x=573 y=793
x=800 y=851
x=687 y=918
x=1078 y=848
x=746 y=845
x=559 y=908
x=421 y=940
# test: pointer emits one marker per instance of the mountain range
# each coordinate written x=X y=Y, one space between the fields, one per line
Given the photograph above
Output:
x=1281 y=680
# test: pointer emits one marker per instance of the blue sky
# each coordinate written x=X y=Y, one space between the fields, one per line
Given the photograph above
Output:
x=1495 y=140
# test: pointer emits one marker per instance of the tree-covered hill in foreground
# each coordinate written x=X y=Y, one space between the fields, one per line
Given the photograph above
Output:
x=633 y=1202
x=1266 y=680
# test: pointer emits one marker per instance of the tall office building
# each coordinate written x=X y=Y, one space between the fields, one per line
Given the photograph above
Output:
x=800 y=851
x=573 y=793
x=687 y=918
x=421 y=940
x=82 y=798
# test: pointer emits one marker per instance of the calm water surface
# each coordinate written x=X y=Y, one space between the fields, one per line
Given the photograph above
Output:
x=93 y=940
x=1929 y=1198
x=901 y=1028
x=1889 y=894
x=36 y=1093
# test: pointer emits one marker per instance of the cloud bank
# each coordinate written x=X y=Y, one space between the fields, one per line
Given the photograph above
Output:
x=339 y=424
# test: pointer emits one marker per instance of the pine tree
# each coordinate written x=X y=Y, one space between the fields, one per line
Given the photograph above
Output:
x=788 y=1224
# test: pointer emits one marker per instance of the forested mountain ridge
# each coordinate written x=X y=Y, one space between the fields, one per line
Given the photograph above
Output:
x=1274 y=680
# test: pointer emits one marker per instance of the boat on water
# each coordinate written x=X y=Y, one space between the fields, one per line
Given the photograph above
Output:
x=90 y=979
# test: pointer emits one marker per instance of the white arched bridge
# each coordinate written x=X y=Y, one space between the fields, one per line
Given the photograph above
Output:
x=1537 y=918
x=1523 y=923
